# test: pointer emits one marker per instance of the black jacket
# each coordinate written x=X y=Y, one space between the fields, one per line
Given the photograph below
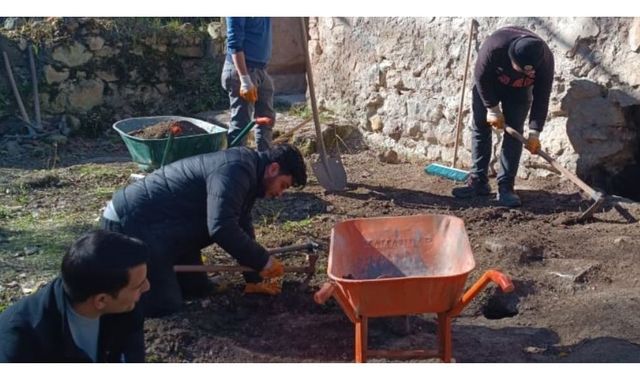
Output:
x=35 y=329
x=197 y=201
x=493 y=74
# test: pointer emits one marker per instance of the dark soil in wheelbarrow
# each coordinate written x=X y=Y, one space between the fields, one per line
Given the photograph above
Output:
x=161 y=130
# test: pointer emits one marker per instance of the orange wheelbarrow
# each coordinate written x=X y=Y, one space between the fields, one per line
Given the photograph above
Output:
x=390 y=266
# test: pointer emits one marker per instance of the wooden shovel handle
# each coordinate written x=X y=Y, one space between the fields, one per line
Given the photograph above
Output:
x=312 y=97
x=464 y=85
x=289 y=133
x=14 y=87
x=222 y=268
x=308 y=246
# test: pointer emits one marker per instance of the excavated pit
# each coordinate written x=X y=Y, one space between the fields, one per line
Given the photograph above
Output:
x=625 y=182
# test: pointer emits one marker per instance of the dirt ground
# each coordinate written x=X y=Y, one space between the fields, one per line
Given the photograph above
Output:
x=576 y=294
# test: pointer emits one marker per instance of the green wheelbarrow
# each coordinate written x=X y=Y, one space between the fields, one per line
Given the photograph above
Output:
x=151 y=154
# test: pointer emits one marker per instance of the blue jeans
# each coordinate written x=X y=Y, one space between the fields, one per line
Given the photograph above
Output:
x=515 y=106
x=242 y=112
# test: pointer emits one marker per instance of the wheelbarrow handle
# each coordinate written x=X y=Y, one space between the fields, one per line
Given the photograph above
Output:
x=174 y=130
x=261 y=121
x=328 y=290
x=503 y=281
x=325 y=292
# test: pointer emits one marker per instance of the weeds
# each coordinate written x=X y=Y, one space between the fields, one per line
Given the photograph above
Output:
x=294 y=226
x=4 y=213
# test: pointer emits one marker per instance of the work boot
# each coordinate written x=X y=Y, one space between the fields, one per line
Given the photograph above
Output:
x=474 y=187
x=508 y=197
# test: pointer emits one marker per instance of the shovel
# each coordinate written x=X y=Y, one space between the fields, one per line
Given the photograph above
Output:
x=329 y=169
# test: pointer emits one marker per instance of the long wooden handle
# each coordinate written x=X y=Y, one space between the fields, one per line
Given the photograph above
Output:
x=222 y=268
x=461 y=106
x=575 y=179
x=34 y=84
x=312 y=97
x=16 y=93
x=289 y=133
x=290 y=248
x=234 y=268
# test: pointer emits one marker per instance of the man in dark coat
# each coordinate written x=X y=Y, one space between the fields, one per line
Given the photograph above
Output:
x=89 y=313
x=187 y=205
x=514 y=68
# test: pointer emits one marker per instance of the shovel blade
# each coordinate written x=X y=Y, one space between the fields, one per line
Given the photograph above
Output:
x=331 y=175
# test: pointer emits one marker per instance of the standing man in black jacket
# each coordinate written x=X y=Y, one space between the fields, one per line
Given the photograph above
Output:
x=514 y=68
x=187 y=205
x=88 y=314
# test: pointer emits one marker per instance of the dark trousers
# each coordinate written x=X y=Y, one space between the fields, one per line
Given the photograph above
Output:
x=167 y=287
x=242 y=112
x=515 y=106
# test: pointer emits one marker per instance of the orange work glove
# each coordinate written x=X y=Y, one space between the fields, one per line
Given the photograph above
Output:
x=495 y=117
x=273 y=268
x=533 y=141
x=270 y=287
x=248 y=91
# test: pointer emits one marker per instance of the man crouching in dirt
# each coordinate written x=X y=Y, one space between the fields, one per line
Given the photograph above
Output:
x=187 y=205
x=89 y=313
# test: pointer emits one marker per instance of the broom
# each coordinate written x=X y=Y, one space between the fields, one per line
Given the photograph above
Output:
x=453 y=173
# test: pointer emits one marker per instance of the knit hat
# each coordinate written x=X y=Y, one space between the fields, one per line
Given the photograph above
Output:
x=527 y=51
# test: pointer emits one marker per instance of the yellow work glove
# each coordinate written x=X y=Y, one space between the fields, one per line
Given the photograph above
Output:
x=495 y=117
x=533 y=141
x=270 y=287
x=248 y=91
x=272 y=269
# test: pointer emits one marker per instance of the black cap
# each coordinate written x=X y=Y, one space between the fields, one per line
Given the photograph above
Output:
x=527 y=50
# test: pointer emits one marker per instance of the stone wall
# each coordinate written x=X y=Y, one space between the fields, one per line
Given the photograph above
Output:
x=399 y=79
x=93 y=71
x=287 y=60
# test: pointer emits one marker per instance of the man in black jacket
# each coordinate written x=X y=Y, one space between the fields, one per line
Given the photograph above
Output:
x=187 y=205
x=88 y=314
x=514 y=67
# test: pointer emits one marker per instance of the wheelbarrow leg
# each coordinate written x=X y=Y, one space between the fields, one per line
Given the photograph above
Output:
x=444 y=337
x=361 y=339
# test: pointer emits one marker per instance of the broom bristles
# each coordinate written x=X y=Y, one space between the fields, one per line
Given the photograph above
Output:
x=446 y=172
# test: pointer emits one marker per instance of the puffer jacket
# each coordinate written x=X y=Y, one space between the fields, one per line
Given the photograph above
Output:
x=197 y=201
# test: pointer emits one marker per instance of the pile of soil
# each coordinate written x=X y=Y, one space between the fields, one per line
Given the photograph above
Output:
x=162 y=130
